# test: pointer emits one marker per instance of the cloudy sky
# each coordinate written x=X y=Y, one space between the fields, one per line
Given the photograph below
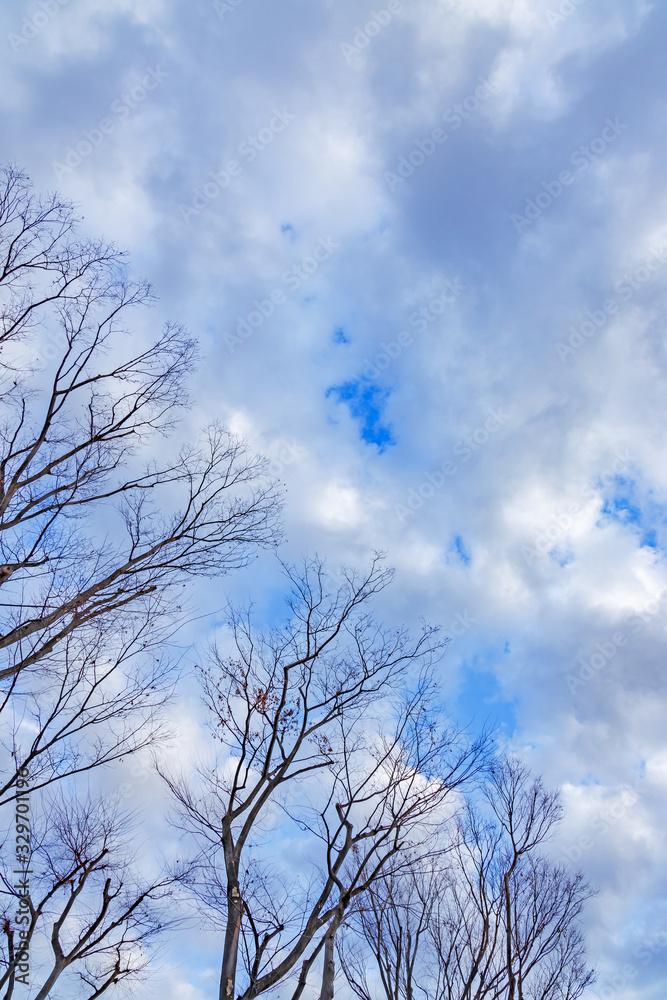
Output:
x=424 y=248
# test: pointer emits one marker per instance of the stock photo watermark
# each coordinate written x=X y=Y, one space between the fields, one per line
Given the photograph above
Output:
x=294 y=277
x=224 y=7
x=565 y=9
x=592 y=665
x=23 y=872
x=454 y=117
x=121 y=109
x=364 y=34
x=218 y=181
x=618 y=983
x=464 y=449
x=31 y=26
x=283 y=454
x=420 y=320
x=606 y=818
x=461 y=622
x=596 y=319
x=561 y=520
x=581 y=158
x=139 y=774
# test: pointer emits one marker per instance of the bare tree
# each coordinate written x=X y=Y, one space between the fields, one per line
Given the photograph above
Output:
x=42 y=262
x=391 y=790
x=96 y=540
x=491 y=919
x=83 y=913
x=97 y=699
x=527 y=814
x=390 y=920
x=98 y=537
x=298 y=714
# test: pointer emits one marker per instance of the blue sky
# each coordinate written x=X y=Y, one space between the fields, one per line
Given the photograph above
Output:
x=427 y=267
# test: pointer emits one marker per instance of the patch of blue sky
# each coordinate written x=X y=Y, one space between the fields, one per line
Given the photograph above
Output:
x=366 y=403
x=644 y=515
x=339 y=337
x=460 y=549
x=589 y=780
x=481 y=702
x=561 y=557
x=269 y=604
x=650 y=539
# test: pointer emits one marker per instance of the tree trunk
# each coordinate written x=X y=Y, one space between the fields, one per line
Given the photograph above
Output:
x=50 y=982
x=508 y=911
x=232 y=934
x=329 y=970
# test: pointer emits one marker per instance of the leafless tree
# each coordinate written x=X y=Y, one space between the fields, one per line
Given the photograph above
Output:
x=390 y=922
x=96 y=539
x=491 y=919
x=298 y=712
x=97 y=698
x=84 y=913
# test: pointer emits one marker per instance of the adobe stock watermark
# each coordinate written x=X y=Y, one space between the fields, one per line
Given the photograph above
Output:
x=420 y=320
x=616 y=985
x=591 y=667
x=639 y=619
x=293 y=278
x=31 y=26
x=591 y=664
x=562 y=520
x=363 y=35
x=651 y=947
x=121 y=109
x=284 y=453
x=454 y=116
x=140 y=771
x=249 y=149
x=21 y=885
x=605 y=820
x=581 y=158
x=565 y=9
x=464 y=449
x=596 y=319
x=461 y=622
x=224 y=7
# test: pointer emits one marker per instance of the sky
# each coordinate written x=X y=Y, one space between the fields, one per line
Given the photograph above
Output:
x=423 y=246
